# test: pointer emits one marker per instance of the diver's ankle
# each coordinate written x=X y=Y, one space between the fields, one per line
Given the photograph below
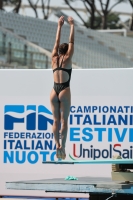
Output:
x=58 y=145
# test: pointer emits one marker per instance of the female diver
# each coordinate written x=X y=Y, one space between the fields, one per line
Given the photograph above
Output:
x=60 y=97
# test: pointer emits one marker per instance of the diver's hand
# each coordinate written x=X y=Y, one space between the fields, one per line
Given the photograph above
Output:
x=61 y=21
x=70 y=21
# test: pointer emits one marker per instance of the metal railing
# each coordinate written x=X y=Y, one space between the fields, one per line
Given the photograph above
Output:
x=22 y=57
x=29 y=55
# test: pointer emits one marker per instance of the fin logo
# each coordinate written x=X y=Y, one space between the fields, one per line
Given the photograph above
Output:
x=27 y=114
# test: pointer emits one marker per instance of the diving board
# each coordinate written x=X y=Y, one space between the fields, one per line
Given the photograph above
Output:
x=97 y=185
x=106 y=161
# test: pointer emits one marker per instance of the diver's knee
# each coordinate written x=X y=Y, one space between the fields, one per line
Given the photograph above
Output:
x=56 y=122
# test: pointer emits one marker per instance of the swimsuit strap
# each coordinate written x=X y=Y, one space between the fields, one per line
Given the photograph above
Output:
x=61 y=62
x=58 y=67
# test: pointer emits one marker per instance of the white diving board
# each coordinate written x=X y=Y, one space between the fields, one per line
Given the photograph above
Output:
x=106 y=161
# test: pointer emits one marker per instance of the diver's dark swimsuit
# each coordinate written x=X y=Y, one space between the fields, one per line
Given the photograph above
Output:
x=58 y=87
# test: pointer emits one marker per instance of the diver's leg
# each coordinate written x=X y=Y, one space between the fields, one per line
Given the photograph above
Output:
x=55 y=106
x=65 y=102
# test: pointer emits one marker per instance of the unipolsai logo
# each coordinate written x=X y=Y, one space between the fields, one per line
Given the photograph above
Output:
x=34 y=141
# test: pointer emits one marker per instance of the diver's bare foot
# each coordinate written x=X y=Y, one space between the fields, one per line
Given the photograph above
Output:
x=63 y=153
x=58 y=150
x=58 y=153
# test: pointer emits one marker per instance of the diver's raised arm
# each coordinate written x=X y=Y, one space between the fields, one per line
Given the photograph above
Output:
x=58 y=34
x=71 y=37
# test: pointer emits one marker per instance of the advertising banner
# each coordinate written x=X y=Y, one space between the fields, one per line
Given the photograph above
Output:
x=100 y=124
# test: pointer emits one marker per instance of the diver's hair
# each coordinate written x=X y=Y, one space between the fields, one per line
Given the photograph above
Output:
x=63 y=48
